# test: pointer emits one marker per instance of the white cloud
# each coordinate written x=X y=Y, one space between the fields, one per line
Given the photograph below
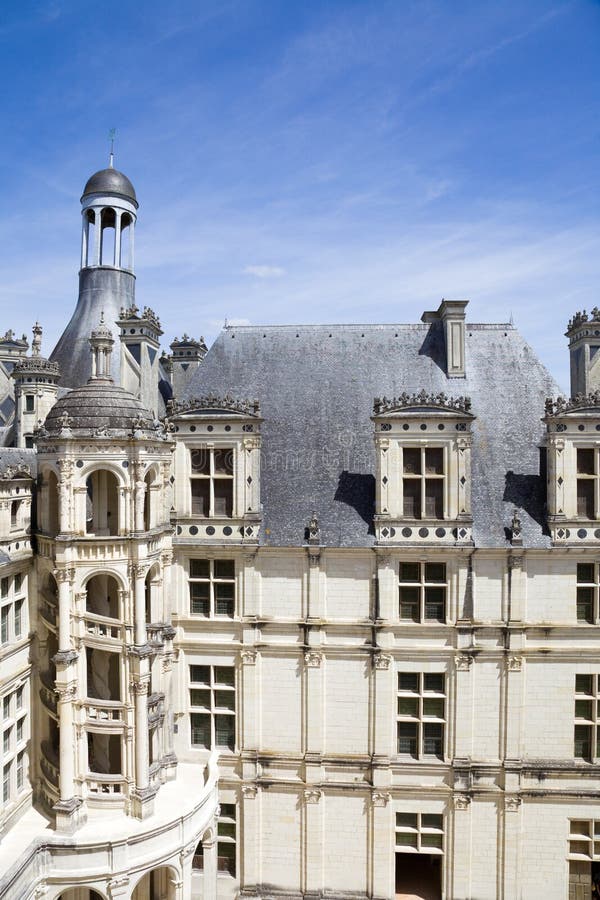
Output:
x=264 y=271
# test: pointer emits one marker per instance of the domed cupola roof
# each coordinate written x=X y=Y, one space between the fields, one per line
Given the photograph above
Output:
x=97 y=407
x=110 y=181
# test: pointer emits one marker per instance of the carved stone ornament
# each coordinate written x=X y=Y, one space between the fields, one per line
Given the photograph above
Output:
x=212 y=401
x=248 y=656
x=187 y=851
x=514 y=663
x=382 y=660
x=17 y=471
x=463 y=662
x=420 y=399
x=249 y=791
x=139 y=687
x=380 y=798
x=313 y=531
x=512 y=803
x=312 y=795
x=461 y=801
x=515 y=529
x=40 y=891
x=515 y=562
x=64 y=575
x=67 y=693
x=563 y=405
x=313 y=658
x=116 y=885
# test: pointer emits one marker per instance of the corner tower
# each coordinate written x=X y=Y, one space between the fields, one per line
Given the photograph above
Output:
x=106 y=277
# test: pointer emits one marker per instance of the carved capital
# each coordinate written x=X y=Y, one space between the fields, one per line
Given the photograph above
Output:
x=138 y=570
x=512 y=803
x=514 y=663
x=313 y=658
x=66 y=692
x=314 y=558
x=515 y=562
x=463 y=662
x=461 y=801
x=382 y=660
x=166 y=558
x=139 y=687
x=312 y=795
x=380 y=798
x=248 y=656
x=64 y=575
x=249 y=791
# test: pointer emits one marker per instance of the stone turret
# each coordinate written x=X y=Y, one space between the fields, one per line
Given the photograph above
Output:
x=187 y=354
x=583 y=332
x=106 y=277
x=36 y=386
x=140 y=343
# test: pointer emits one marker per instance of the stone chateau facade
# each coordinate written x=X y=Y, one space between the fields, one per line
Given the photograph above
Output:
x=311 y=613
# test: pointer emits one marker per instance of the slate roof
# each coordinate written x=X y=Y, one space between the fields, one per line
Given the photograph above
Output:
x=110 y=181
x=316 y=386
x=15 y=456
x=99 y=404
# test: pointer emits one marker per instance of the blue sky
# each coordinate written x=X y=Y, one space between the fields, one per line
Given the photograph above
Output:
x=309 y=161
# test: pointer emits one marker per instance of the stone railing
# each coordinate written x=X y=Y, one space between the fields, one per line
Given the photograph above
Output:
x=105 y=712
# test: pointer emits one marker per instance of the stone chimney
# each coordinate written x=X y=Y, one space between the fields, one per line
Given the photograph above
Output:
x=583 y=332
x=451 y=313
x=187 y=354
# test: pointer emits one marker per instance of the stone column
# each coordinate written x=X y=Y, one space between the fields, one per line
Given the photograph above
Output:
x=65 y=467
x=143 y=796
x=139 y=495
x=98 y=235
x=84 y=239
x=209 y=845
x=67 y=810
x=64 y=577
x=139 y=574
x=250 y=876
x=131 y=243
x=117 y=256
x=463 y=698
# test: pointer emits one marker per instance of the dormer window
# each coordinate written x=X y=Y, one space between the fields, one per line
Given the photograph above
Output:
x=423 y=482
x=212 y=482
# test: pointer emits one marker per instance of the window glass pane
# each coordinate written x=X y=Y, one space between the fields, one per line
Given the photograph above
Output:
x=585 y=604
x=411 y=457
x=199 y=568
x=224 y=599
x=434 y=461
x=407 y=738
x=408 y=706
x=433 y=708
x=434 y=498
x=224 y=462
x=224 y=675
x=18 y=618
x=406 y=839
x=583 y=709
x=225 y=699
x=433 y=738
x=224 y=731
x=6 y=706
x=4 y=625
x=435 y=572
x=408 y=681
x=410 y=572
x=200 y=730
x=18 y=582
x=200 y=461
x=200 y=698
x=224 y=568
x=583 y=684
x=435 y=603
x=227 y=811
x=406 y=820
x=200 y=497
x=226 y=858
x=226 y=829
x=200 y=674
x=431 y=840
x=585 y=462
x=200 y=598
x=433 y=681
x=431 y=820
x=223 y=489
x=412 y=498
x=4 y=587
x=585 y=497
x=409 y=603
x=583 y=741
x=20 y=698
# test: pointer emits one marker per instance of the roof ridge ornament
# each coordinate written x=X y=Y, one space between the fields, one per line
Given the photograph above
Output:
x=422 y=398
x=580 y=318
x=212 y=401
x=563 y=405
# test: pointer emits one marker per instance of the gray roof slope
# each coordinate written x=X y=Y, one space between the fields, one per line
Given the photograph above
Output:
x=15 y=456
x=316 y=386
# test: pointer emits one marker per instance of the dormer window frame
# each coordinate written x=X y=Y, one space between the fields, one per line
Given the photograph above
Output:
x=415 y=425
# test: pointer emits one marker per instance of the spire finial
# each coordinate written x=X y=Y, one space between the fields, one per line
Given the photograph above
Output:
x=111 y=136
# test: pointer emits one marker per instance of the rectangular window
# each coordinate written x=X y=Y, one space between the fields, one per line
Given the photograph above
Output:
x=20 y=730
x=421 y=714
x=423 y=482
x=226 y=838
x=4 y=582
x=29 y=403
x=212 y=706
x=6 y=740
x=18 y=583
x=212 y=587
x=212 y=482
x=6 y=706
x=420 y=832
x=19 y=696
x=587 y=592
x=587 y=717
x=587 y=483
x=18 y=618
x=4 y=624
x=423 y=588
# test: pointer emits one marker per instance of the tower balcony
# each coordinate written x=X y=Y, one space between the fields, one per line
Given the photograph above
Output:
x=106 y=713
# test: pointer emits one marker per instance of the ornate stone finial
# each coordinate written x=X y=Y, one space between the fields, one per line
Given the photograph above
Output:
x=36 y=344
x=101 y=344
x=515 y=529
x=227 y=403
x=313 y=530
x=581 y=401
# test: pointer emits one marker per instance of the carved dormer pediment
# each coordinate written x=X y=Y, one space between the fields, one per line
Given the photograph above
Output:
x=212 y=405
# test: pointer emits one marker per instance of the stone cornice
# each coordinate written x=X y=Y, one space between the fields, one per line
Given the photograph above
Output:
x=436 y=402
x=210 y=402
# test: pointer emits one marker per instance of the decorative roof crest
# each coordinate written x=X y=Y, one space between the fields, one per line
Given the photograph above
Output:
x=211 y=401
x=19 y=470
x=562 y=405
x=580 y=318
x=422 y=398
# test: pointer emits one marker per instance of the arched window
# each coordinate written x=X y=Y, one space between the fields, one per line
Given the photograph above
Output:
x=14 y=513
x=104 y=753
x=125 y=261
x=107 y=248
x=102 y=513
x=149 y=502
x=102 y=596
x=89 y=238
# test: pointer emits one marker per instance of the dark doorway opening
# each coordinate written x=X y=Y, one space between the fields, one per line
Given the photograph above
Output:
x=418 y=876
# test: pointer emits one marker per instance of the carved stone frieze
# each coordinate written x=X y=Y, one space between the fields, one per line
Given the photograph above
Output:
x=312 y=795
x=461 y=801
x=313 y=658
x=382 y=660
x=380 y=798
x=248 y=656
x=514 y=663
x=422 y=398
x=512 y=803
x=463 y=662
